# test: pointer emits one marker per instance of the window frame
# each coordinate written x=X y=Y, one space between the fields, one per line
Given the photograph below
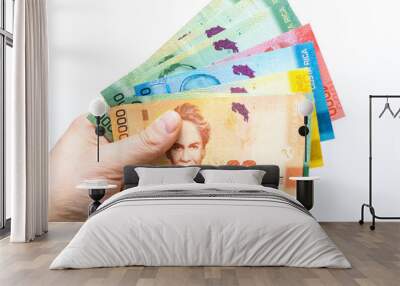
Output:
x=6 y=39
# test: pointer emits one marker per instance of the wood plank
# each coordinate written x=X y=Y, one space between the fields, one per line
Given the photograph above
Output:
x=375 y=257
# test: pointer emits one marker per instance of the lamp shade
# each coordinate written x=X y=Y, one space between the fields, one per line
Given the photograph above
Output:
x=97 y=107
x=306 y=107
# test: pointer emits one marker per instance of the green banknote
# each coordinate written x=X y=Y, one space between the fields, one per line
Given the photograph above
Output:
x=228 y=130
x=200 y=20
x=263 y=25
x=221 y=21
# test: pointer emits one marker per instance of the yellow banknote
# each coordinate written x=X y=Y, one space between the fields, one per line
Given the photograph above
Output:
x=227 y=130
x=287 y=82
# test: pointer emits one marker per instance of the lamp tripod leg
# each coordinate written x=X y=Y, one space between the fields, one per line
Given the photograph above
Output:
x=98 y=148
x=305 y=142
x=98 y=137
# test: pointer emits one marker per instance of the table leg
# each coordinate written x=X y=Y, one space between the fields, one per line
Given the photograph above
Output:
x=305 y=193
x=96 y=196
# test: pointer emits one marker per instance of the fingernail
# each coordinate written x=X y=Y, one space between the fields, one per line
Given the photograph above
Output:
x=169 y=121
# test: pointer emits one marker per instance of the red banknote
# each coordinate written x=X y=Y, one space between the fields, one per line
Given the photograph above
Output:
x=297 y=36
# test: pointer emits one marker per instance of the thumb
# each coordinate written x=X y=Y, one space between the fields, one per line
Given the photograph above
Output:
x=150 y=144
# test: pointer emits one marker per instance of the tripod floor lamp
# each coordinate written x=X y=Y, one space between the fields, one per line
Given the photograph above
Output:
x=98 y=108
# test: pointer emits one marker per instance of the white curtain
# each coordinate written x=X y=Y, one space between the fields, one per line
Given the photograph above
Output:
x=27 y=151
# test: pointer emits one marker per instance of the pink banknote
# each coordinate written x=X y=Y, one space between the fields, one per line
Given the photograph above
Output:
x=298 y=36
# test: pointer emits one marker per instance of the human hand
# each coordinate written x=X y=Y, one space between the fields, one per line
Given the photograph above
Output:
x=73 y=159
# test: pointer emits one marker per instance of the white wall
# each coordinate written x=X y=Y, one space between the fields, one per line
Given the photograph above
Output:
x=94 y=42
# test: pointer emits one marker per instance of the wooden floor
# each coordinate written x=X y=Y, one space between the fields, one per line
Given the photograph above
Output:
x=375 y=257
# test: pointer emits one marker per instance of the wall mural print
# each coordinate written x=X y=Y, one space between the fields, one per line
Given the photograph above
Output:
x=224 y=90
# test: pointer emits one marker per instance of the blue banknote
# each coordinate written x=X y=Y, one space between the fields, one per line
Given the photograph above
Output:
x=297 y=56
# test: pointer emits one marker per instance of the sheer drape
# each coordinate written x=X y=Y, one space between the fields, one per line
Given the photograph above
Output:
x=27 y=121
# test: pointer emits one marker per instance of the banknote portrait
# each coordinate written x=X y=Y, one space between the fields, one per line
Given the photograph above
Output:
x=190 y=148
